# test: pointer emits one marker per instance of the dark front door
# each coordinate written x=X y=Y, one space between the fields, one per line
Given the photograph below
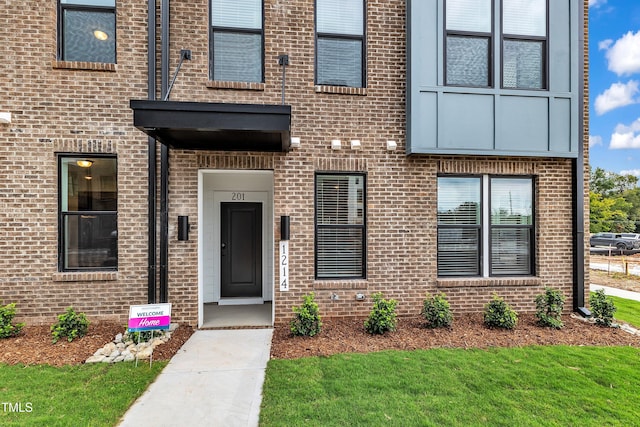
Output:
x=241 y=252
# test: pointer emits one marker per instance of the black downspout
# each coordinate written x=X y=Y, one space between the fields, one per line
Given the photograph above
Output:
x=578 y=190
x=164 y=164
x=151 y=85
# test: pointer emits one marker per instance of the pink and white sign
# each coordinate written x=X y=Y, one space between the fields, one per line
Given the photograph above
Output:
x=150 y=317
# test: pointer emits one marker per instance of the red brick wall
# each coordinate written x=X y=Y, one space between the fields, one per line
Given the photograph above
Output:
x=66 y=108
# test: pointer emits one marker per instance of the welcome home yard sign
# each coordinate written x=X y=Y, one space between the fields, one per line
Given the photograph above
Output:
x=149 y=317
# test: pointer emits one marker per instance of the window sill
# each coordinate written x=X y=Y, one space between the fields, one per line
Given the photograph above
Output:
x=340 y=284
x=342 y=90
x=218 y=84
x=95 y=276
x=80 y=65
x=487 y=282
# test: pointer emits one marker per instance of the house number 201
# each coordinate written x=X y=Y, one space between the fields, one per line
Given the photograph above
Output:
x=237 y=196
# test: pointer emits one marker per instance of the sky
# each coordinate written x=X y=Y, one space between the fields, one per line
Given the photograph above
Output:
x=614 y=85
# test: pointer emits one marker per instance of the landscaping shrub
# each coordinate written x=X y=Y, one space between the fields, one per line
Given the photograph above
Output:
x=437 y=311
x=6 y=317
x=138 y=336
x=549 y=308
x=602 y=307
x=307 y=321
x=71 y=325
x=383 y=316
x=498 y=314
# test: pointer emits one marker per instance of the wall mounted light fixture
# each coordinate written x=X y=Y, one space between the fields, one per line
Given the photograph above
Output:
x=183 y=228
x=295 y=142
x=336 y=144
x=5 y=118
x=391 y=145
x=355 y=144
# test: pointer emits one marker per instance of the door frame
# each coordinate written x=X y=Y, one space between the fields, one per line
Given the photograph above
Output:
x=215 y=187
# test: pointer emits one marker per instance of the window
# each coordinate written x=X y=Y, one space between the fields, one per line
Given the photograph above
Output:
x=524 y=35
x=87 y=30
x=340 y=42
x=237 y=40
x=88 y=213
x=469 y=43
x=485 y=226
x=340 y=226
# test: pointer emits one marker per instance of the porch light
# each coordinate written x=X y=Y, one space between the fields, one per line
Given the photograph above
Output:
x=84 y=163
x=355 y=144
x=5 y=118
x=336 y=144
x=391 y=145
x=295 y=142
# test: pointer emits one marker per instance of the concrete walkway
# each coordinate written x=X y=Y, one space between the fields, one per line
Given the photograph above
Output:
x=214 y=380
x=616 y=292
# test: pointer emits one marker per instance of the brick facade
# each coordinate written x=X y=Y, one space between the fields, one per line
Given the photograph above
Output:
x=61 y=107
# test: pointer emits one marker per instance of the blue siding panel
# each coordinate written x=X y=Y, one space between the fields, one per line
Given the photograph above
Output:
x=492 y=121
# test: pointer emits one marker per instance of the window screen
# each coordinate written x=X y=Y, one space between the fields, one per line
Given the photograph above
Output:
x=237 y=40
x=504 y=237
x=459 y=226
x=468 y=42
x=340 y=226
x=88 y=213
x=87 y=30
x=340 y=42
x=524 y=25
x=511 y=226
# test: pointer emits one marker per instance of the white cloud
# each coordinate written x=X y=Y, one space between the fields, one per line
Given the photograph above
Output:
x=595 y=140
x=597 y=3
x=626 y=136
x=618 y=95
x=624 y=54
x=634 y=172
x=605 y=44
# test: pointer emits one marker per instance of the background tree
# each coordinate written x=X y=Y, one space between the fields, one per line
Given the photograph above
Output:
x=615 y=202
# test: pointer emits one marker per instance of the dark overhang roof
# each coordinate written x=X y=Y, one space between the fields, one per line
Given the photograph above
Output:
x=213 y=126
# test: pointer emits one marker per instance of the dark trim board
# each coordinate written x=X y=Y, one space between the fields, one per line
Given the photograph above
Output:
x=214 y=126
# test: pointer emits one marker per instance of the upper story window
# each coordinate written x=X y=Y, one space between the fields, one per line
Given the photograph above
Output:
x=88 y=215
x=485 y=226
x=340 y=43
x=237 y=41
x=340 y=226
x=469 y=43
x=524 y=40
x=87 y=30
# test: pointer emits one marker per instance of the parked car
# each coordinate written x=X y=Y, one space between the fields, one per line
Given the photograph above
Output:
x=615 y=240
x=633 y=236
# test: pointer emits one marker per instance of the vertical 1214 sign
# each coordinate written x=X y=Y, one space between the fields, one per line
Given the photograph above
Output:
x=284 y=265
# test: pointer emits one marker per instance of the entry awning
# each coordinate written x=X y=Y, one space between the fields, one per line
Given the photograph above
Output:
x=215 y=126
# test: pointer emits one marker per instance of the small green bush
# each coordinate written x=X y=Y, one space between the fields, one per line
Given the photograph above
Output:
x=603 y=307
x=139 y=336
x=71 y=325
x=549 y=308
x=7 y=314
x=437 y=311
x=498 y=314
x=383 y=316
x=307 y=321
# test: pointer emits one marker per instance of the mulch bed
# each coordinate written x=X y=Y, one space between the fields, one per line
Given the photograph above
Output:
x=468 y=331
x=33 y=346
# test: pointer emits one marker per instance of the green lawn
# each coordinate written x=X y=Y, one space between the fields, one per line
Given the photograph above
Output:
x=627 y=311
x=531 y=386
x=84 y=395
